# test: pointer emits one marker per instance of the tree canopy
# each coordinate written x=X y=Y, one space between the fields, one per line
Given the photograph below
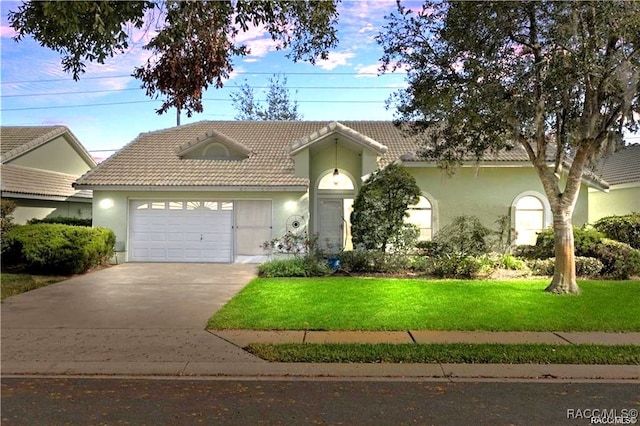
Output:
x=192 y=43
x=559 y=79
x=277 y=105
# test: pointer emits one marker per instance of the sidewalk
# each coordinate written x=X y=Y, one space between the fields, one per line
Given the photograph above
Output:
x=91 y=355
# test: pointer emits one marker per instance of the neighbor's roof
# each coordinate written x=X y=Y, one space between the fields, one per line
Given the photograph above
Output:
x=20 y=180
x=622 y=166
x=18 y=140
x=153 y=159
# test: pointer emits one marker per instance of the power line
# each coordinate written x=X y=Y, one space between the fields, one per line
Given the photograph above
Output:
x=204 y=99
x=237 y=73
x=235 y=86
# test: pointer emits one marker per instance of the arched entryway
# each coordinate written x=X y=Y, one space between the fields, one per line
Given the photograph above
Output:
x=335 y=193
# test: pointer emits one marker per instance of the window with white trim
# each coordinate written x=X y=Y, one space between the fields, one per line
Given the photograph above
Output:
x=421 y=215
x=529 y=219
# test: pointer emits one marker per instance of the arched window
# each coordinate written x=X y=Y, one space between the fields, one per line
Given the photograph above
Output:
x=421 y=215
x=339 y=182
x=529 y=219
x=216 y=151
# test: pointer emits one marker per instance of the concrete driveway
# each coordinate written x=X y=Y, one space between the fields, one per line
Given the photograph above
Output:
x=134 y=313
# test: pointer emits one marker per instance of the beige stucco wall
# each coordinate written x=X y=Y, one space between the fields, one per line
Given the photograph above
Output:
x=620 y=200
x=57 y=155
x=110 y=208
x=40 y=209
x=485 y=192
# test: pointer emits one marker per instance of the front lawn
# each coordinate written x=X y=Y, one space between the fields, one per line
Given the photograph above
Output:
x=346 y=303
x=13 y=284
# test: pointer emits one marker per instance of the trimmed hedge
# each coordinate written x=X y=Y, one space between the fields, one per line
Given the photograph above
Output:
x=625 y=229
x=306 y=266
x=58 y=249
x=63 y=220
x=585 y=266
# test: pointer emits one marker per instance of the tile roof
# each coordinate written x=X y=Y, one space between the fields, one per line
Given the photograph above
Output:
x=16 y=140
x=621 y=167
x=44 y=183
x=152 y=160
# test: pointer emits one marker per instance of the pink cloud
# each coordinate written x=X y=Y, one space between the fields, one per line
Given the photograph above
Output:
x=7 y=31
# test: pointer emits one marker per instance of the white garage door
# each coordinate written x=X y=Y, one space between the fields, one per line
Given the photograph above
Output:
x=180 y=231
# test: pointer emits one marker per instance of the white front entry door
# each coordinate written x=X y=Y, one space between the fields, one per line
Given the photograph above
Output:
x=180 y=231
x=330 y=225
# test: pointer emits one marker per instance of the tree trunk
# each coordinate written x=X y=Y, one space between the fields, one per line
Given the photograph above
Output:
x=564 y=274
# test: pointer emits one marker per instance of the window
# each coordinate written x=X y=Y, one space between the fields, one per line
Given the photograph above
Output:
x=420 y=215
x=158 y=205
x=216 y=150
x=529 y=219
x=341 y=182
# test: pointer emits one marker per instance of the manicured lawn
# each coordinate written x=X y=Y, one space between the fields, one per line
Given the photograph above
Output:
x=449 y=353
x=349 y=303
x=13 y=284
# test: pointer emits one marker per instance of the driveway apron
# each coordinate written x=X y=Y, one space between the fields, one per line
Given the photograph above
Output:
x=134 y=312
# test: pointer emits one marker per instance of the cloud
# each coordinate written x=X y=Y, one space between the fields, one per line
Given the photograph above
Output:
x=368 y=70
x=7 y=31
x=335 y=59
x=368 y=27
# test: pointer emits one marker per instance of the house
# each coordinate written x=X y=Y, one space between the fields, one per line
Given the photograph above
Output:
x=39 y=166
x=621 y=170
x=214 y=191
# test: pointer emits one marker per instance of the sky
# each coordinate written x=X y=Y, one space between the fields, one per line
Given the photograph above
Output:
x=106 y=109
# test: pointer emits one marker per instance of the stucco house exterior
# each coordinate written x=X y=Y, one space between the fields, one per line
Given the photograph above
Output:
x=214 y=191
x=621 y=171
x=39 y=166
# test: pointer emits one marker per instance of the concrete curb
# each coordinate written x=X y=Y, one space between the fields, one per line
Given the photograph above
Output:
x=327 y=370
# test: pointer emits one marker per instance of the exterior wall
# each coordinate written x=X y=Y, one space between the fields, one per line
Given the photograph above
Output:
x=57 y=155
x=39 y=209
x=487 y=193
x=111 y=208
x=619 y=201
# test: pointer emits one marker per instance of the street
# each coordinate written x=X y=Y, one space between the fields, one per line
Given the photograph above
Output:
x=171 y=401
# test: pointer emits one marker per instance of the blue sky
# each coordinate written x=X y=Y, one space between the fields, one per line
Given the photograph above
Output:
x=106 y=109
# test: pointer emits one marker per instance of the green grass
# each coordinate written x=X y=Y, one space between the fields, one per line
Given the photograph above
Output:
x=346 y=303
x=449 y=353
x=14 y=284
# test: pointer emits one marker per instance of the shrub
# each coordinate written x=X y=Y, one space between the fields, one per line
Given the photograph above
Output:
x=457 y=265
x=513 y=263
x=585 y=266
x=542 y=266
x=431 y=248
x=58 y=249
x=293 y=267
x=7 y=207
x=465 y=235
x=625 y=229
x=619 y=260
x=63 y=220
x=297 y=244
x=380 y=208
x=372 y=261
x=586 y=241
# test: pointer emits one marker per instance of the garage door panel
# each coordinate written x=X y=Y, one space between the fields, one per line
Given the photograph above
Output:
x=176 y=234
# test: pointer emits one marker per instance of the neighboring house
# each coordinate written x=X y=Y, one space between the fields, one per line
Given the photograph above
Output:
x=215 y=191
x=39 y=166
x=621 y=171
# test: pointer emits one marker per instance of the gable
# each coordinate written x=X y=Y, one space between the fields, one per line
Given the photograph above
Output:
x=213 y=145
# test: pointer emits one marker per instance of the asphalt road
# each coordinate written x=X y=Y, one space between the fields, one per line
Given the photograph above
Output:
x=92 y=401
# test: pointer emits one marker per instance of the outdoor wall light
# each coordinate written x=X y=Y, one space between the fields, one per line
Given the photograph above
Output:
x=336 y=173
x=106 y=203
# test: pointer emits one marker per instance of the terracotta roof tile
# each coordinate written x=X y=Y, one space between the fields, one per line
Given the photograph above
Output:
x=30 y=181
x=621 y=167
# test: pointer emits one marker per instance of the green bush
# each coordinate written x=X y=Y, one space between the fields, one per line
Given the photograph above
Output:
x=625 y=229
x=586 y=241
x=619 y=260
x=513 y=263
x=431 y=248
x=373 y=261
x=58 y=249
x=542 y=266
x=464 y=235
x=7 y=207
x=585 y=266
x=293 y=267
x=457 y=265
x=63 y=220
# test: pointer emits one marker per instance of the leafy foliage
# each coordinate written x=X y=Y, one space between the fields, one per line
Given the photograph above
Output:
x=7 y=207
x=278 y=105
x=294 y=267
x=625 y=229
x=381 y=206
x=58 y=249
x=192 y=44
x=64 y=220
x=558 y=79
x=465 y=235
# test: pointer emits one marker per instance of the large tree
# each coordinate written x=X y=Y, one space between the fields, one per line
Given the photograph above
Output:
x=277 y=105
x=192 y=43
x=561 y=79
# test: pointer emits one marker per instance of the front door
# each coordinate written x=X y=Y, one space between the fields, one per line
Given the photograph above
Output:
x=331 y=225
